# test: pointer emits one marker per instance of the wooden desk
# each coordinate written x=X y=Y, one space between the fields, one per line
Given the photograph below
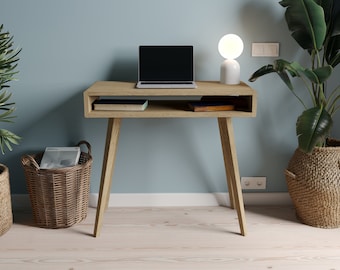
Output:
x=173 y=107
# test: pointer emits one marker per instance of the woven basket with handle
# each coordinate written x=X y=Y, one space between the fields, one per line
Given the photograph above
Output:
x=314 y=186
x=6 y=216
x=59 y=197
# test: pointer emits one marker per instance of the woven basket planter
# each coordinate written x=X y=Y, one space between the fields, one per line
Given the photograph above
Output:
x=314 y=186
x=59 y=197
x=6 y=216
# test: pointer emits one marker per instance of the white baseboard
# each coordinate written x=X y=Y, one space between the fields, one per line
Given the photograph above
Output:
x=21 y=201
x=189 y=199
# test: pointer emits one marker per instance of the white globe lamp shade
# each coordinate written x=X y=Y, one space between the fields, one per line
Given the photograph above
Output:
x=230 y=47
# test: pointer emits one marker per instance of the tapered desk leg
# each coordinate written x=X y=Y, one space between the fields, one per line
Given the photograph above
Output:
x=112 y=135
x=232 y=170
x=224 y=142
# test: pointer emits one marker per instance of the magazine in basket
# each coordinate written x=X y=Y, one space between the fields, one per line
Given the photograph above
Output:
x=60 y=157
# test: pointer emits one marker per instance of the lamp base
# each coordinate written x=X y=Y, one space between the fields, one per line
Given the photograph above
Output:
x=230 y=72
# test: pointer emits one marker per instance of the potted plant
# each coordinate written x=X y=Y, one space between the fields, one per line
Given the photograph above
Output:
x=8 y=64
x=313 y=173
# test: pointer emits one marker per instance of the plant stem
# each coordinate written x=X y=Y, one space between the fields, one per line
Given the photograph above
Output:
x=310 y=90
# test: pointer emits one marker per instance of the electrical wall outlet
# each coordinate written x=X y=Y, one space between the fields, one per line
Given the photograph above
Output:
x=253 y=182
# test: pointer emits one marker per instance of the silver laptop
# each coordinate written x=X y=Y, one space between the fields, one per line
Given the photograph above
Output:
x=166 y=67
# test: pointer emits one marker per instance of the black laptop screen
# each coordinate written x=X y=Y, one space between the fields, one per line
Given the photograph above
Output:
x=166 y=63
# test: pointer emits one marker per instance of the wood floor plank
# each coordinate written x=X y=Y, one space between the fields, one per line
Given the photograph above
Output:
x=173 y=238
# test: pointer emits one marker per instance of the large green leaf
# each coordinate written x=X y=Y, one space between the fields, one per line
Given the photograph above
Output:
x=318 y=75
x=332 y=48
x=327 y=6
x=306 y=21
x=294 y=69
x=261 y=71
x=281 y=67
x=333 y=51
x=312 y=127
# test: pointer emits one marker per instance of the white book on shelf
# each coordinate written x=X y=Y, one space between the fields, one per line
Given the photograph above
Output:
x=60 y=157
x=110 y=104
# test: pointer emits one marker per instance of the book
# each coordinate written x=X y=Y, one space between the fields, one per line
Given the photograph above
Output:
x=60 y=157
x=241 y=103
x=120 y=104
x=206 y=106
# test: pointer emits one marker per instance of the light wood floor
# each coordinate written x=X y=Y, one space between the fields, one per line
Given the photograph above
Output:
x=173 y=238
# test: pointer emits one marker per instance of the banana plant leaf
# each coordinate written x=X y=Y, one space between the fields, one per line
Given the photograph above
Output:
x=306 y=21
x=318 y=75
x=283 y=68
x=332 y=17
x=312 y=127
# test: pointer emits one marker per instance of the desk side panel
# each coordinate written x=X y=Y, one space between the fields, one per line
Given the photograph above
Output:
x=88 y=100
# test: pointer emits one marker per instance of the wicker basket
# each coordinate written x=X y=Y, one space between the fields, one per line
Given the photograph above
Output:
x=314 y=186
x=6 y=216
x=59 y=197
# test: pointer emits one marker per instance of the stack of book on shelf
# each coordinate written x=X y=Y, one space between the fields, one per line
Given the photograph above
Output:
x=207 y=104
x=109 y=104
x=60 y=157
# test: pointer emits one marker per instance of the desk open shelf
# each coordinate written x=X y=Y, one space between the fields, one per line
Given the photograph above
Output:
x=171 y=103
x=176 y=101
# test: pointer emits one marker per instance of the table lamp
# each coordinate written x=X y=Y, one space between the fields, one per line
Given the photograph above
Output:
x=230 y=47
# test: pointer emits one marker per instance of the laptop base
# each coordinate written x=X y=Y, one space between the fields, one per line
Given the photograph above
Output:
x=166 y=85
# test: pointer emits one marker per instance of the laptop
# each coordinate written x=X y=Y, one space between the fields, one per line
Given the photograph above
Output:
x=166 y=67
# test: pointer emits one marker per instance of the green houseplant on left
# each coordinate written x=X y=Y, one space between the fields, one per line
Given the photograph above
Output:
x=8 y=65
x=313 y=173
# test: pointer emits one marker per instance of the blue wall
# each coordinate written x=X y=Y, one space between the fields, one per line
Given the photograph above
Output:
x=68 y=45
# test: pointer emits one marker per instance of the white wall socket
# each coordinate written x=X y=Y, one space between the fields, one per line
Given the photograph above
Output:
x=253 y=182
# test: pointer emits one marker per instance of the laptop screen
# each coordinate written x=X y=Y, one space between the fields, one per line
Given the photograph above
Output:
x=166 y=63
